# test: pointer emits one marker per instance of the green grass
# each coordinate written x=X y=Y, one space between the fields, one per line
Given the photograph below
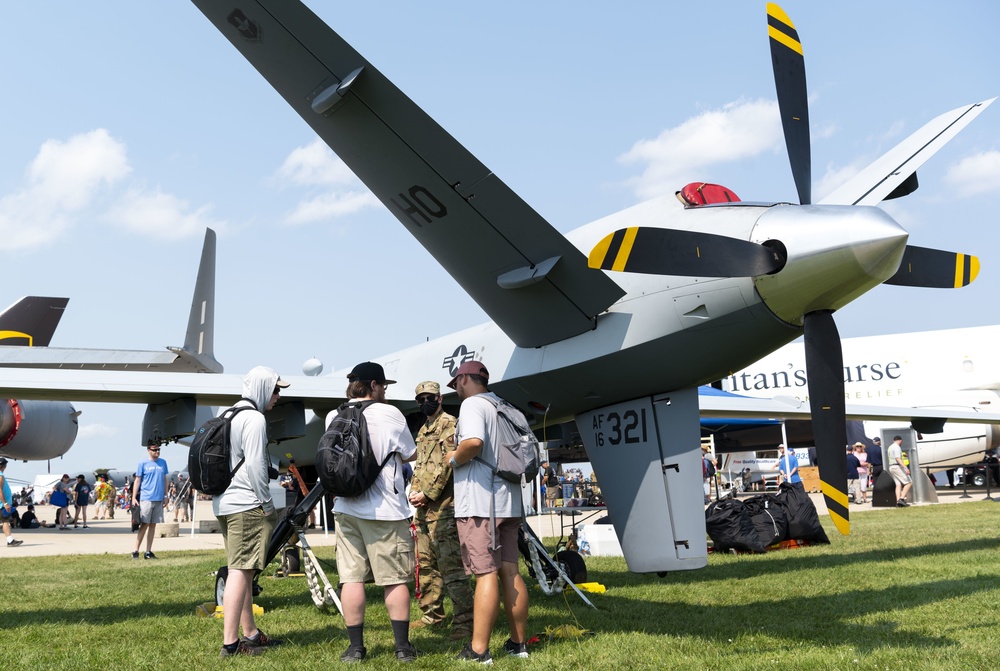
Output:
x=909 y=589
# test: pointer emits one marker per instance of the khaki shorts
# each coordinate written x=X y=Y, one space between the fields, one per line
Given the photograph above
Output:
x=898 y=474
x=246 y=535
x=379 y=551
x=474 y=538
x=150 y=512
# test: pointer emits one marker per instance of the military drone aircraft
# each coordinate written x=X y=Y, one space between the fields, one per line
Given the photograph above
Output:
x=614 y=325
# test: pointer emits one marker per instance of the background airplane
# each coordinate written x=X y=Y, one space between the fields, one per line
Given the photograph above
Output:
x=948 y=368
x=34 y=429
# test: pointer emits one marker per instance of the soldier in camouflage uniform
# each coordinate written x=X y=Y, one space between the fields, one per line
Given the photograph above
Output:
x=432 y=492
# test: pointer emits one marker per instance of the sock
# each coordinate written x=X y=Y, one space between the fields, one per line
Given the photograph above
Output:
x=231 y=647
x=401 y=632
x=10 y=539
x=356 y=634
x=255 y=638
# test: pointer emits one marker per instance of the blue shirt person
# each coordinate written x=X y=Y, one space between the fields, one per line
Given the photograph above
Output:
x=788 y=464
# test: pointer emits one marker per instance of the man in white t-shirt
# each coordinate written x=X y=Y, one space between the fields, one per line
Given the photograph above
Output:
x=476 y=490
x=374 y=542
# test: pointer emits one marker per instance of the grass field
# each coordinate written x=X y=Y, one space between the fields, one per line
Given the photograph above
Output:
x=915 y=588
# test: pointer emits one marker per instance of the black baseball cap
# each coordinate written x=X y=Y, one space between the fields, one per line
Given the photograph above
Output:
x=369 y=370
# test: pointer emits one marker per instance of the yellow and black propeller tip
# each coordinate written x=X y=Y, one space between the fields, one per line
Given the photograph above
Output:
x=664 y=251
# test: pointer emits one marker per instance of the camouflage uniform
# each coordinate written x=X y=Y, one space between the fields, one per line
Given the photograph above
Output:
x=440 y=556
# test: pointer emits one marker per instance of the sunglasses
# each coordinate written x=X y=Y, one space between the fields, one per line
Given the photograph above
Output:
x=153 y=449
x=424 y=398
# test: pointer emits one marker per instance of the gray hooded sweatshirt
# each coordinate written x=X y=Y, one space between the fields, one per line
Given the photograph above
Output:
x=248 y=439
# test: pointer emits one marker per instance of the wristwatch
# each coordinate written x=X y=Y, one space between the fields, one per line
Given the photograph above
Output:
x=453 y=463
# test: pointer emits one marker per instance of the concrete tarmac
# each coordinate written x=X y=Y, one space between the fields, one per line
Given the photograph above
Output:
x=115 y=537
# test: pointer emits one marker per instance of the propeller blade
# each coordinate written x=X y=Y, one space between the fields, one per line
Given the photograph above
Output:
x=793 y=104
x=935 y=269
x=825 y=372
x=661 y=251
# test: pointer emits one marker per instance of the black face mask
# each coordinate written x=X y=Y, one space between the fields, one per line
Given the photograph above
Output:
x=429 y=407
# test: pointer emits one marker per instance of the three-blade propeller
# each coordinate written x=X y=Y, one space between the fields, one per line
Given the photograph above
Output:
x=677 y=252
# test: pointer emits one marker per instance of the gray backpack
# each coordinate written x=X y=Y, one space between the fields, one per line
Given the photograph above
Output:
x=518 y=458
x=517 y=454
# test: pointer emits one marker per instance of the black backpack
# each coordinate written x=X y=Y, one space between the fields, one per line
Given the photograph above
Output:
x=345 y=462
x=208 y=458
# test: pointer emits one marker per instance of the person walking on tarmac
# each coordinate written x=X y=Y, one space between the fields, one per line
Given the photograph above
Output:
x=432 y=493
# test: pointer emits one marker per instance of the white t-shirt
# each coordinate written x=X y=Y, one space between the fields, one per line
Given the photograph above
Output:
x=475 y=484
x=386 y=498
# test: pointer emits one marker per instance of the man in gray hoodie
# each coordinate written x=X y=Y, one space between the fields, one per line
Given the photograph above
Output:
x=246 y=513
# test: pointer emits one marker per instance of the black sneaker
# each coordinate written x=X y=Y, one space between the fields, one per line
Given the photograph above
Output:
x=407 y=653
x=135 y=555
x=14 y=543
x=149 y=555
x=262 y=640
x=241 y=649
x=516 y=649
x=470 y=655
x=902 y=503
x=354 y=654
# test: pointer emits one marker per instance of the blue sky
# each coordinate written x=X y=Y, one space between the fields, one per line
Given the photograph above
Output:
x=129 y=127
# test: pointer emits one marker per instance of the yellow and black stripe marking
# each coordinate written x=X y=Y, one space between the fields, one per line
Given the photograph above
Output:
x=836 y=504
x=612 y=252
x=780 y=28
x=966 y=269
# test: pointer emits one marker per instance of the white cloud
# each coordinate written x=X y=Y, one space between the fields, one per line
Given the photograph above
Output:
x=161 y=215
x=331 y=205
x=316 y=168
x=62 y=180
x=737 y=131
x=975 y=174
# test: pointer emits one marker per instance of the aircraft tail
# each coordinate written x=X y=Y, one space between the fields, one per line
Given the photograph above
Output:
x=31 y=321
x=199 y=341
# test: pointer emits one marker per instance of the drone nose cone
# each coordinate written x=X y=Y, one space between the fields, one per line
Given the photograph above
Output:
x=834 y=255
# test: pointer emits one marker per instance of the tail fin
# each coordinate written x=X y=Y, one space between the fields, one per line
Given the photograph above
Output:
x=31 y=321
x=199 y=341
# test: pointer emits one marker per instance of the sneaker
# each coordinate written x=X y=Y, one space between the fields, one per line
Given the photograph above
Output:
x=241 y=649
x=135 y=555
x=14 y=543
x=262 y=640
x=902 y=503
x=149 y=555
x=85 y=526
x=407 y=653
x=470 y=655
x=516 y=649
x=354 y=654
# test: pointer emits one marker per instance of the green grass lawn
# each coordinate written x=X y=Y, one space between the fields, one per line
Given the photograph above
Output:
x=915 y=588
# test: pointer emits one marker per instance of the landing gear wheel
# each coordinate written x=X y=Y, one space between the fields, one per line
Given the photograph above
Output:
x=979 y=480
x=220 y=584
x=573 y=564
x=290 y=562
